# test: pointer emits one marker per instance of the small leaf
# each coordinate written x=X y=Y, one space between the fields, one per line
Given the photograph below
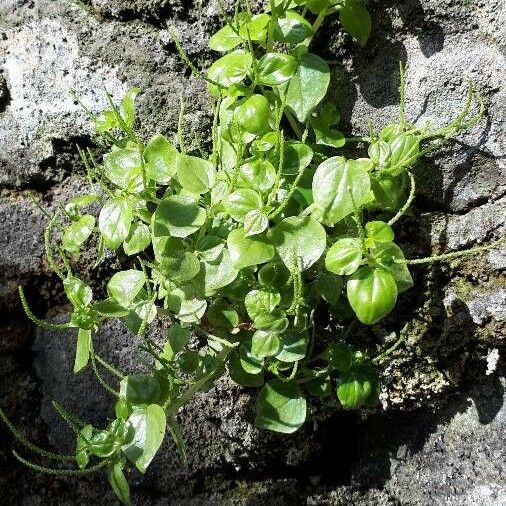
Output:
x=195 y=174
x=230 y=69
x=276 y=68
x=77 y=292
x=308 y=86
x=334 y=184
x=125 y=285
x=177 y=338
x=344 y=256
x=148 y=423
x=358 y=387
x=246 y=251
x=379 y=231
x=77 y=233
x=323 y=124
x=241 y=377
x=255 y=222
x=356 y=21
x=82 y=349
x=259 y=302
x=161 y=159
x=178 y=216
x=372 y=293
x=303 y=237
x=138 y=238
x=223 y=315
x=123 y=167
x=329 y=286
x=114 y=222
x=119 y=483
x=218 y=274
x=265 y=344
x=140 y=389
x=224 y=40
x=293 y=346
x=281 y=407
x=292 y=28
x=239 y=203
x=256 y=28
x=128 y=106
x=390 y=256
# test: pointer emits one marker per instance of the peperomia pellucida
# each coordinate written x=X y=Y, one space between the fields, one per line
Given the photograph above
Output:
x=238 y=248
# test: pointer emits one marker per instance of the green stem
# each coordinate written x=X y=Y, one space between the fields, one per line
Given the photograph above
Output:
x=450 y=256
x=408 y=202
x=34 y=448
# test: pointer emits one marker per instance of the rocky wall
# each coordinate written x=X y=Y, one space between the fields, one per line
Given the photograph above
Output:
x=439 y=437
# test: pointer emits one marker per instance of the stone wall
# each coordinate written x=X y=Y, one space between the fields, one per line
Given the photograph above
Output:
x=439 y=437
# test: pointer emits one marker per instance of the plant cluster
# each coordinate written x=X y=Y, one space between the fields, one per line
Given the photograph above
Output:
x=239 y=247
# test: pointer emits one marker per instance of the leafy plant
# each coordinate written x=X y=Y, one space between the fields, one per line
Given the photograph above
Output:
x=239 y=247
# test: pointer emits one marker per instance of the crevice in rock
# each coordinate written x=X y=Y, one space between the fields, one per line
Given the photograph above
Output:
x=5 y=96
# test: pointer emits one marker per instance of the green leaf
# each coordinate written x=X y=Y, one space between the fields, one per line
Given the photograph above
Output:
x=265 y=344
x=218 y=274
x=246 y=251
x=356 y=21
x=148 y=424
x=224 y=40
x=125 y=285
x=177 y=338
x=276 y=68
x=404 y=151
x=239 y=203
x=119 y=483
x=240 y=376
x=257 y=174
x=358 y=387
x=140 y=389
x=344 y=256
x=110 y=307
x=178 y=216
x=161 y=159
x=388 y=190
x=390 y=257
x=77 y=292
x=231 y=68
x=292 y=28
x=77 y=233
x=186 y=303
x=259 y=302
x=123 y=167
x=144 y=310
x=128 y=106
x=379 y=231
x=308 y=86
x=303 y=237
x=274 y=274
x=209 y=247
x=255 y=29
x=297 y=157
x=180 y=266
x=329 y=286
x=114 y=222
x=322 y=125
x=223 y=315
x=275 y=321
x=255 y=222
x=195 y=174
x=336 y=184
x=139 y=238
x=379 y=152
x=372 y=293
x=293 y=346
x=82 y=349
x=281 y=407
x=340 y=356
x=317 y=6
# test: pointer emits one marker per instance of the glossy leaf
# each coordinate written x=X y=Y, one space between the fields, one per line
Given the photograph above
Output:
x=246 y=251
x=140 y=389
x=119 y=483
x=177 y=338
x=358 y=387
x=123 y=167
x=148 y=423
x=276 y=68
x=356 y=21
x=178 y=216
x=372 y=293
x=241 y=202
x=344 y=256
x=255 y=222
x=301 y=240
x=231 y=68
x=225 y=39
x=281 y=407
x=160 y=159
x=82 y=349
x=292 y=28
x=336 y=185
x=195 y=174
x=114 y=221
x=77 y=233
x=308 y=86
x=138 y=239
x=265 y=344
x=125 y=285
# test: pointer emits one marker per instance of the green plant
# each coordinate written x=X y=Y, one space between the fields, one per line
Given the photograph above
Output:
x=241 y=246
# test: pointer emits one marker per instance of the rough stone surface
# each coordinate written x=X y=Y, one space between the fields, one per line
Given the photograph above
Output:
x=439 y=439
